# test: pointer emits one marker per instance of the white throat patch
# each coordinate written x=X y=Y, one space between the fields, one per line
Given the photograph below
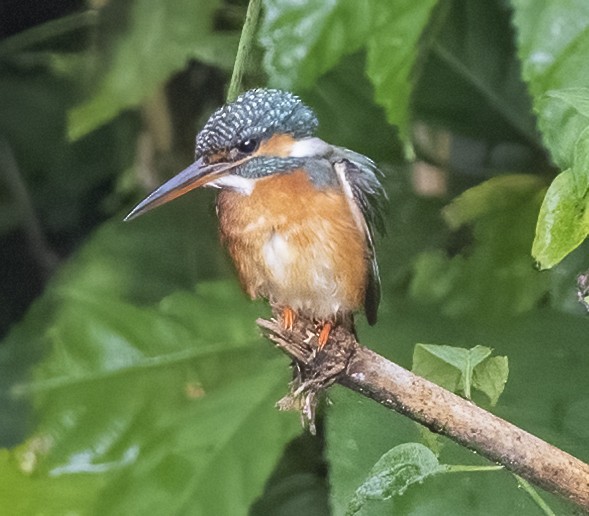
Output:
x=240 y=184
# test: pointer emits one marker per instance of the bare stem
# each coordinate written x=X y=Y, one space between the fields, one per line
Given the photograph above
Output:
x=246 y=43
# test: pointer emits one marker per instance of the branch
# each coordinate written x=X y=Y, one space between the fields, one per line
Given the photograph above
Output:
x=345 y=361
x=44 y=255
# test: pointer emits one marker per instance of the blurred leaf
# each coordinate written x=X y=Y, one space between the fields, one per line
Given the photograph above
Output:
x=148 y=258
x=392 y=52
x=158 y=403
x=394 y=472
x=495 y=195
x=460 y=369
x=218 y=49
x=563 y=222
x=146 y=54
x=482 y=98
x=45 y=32
x=176 y=394
x=494 y=276
x=21 y=493
x=182 y=466
x=61 y=179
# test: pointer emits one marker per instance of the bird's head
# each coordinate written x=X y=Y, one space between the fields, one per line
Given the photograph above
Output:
x=263 y=132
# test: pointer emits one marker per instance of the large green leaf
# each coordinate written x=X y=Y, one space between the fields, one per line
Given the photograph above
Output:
x=156 y=405
x=553 y=42
x=164 y=401
x=156 y=39
x=392 y=52
x=303 y=40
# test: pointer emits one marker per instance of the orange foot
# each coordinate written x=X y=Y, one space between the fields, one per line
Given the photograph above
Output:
x=288 y=318
x=324 y=335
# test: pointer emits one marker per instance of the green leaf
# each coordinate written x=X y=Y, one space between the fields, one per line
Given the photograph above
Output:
x=563 y=222
x=303 y=40
x=22 y=493
x=158 y=402
x=553 y=40
x=554 y=69
x=490 y=377
x=494 y=276
x=159 y=38
x=578 y=100
x=183 y=466
x=394 y=472
x=393 y=50
x=580 y=167
x=176 y=394
x=451 y=367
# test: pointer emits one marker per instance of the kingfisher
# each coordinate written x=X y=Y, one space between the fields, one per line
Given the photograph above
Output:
x=297 y=215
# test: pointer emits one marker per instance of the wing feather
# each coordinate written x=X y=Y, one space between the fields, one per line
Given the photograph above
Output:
x=358 y=176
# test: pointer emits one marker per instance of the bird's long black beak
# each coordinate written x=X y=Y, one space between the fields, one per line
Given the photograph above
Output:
x=196 y=175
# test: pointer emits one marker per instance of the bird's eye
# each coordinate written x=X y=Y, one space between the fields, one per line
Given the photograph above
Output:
x=248 y=146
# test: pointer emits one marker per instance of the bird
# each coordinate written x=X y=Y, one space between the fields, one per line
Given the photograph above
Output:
x=297 y=214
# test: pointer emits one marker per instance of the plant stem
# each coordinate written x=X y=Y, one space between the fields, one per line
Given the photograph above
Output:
x=467 y=468
x=529 y=489
x=244 y=49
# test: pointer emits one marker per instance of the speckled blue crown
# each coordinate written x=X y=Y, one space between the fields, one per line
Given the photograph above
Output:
x=257 y=114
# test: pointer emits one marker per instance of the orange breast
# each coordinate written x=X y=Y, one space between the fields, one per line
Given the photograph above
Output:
x=296 y=245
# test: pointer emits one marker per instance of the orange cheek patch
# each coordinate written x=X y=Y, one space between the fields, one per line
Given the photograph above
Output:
x=278 y=145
